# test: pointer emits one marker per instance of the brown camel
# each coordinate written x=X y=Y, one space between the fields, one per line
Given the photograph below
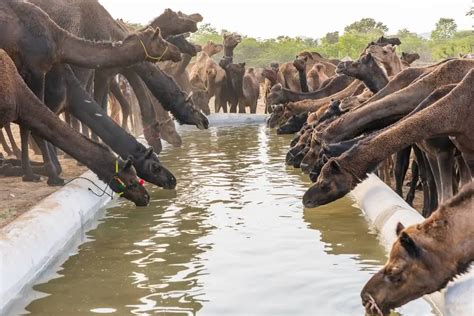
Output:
x=452 y=115
x=18 y=104
x=245 y=84
x=394 y=106
x=316 y=76
x=387 y=56
x=409 y=58
x=426 y=256
x=55 y=45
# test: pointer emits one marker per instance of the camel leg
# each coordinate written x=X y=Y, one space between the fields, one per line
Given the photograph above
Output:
x=253 y=107
x=445 y=160
x=28 y=175
x=114 y=109
x=402 y=161
x=49 y=165
x=464 y=172
x=241 y=107
x=423 y=169
x=16 y=150
x=413 y=184
x=431 y=180
x=125 y=106
x=5 y=146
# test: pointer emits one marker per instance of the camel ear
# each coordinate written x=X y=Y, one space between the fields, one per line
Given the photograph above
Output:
x=399 y=228
x=242 y=64
x=148 y=153
x=335 y=165
x=403 y=54
x=157 y=33
x=409 y=245
x=325 y=158
x=128 y=163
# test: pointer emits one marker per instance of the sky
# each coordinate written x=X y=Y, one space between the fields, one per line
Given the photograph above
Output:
x=309 y=18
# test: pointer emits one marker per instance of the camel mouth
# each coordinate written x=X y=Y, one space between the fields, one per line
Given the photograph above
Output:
x=203 y=123
x=372 y=308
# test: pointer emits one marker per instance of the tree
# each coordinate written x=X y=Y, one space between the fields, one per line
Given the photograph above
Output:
x=331 y=37
x=366 y=25
x=445 y=29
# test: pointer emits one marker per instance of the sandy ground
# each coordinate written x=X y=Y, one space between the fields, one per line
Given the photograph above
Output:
x=17 y=196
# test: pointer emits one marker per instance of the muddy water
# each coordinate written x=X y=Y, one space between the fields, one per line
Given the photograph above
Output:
x=233 y=239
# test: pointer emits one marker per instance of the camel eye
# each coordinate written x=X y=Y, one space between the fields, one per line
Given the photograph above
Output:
x=395 y=278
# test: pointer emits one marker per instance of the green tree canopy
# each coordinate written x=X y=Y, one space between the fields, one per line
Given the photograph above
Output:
x=445 y=29
x=331 y=37
x=366 y=25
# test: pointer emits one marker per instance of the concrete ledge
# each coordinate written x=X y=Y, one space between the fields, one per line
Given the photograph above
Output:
x=384 y=209
x=32 y=241
x=235 y=119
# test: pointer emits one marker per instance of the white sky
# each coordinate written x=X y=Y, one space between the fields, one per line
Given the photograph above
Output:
x=311 y=18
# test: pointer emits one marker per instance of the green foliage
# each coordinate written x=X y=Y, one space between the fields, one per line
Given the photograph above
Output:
x=260 y=53
x=445 y=29
x=367 y=25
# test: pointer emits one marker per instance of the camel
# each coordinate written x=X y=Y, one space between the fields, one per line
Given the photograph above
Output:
x=90 y=12
x=19 y=104
x=367 y=70
x=425 y=257
x=316 y=76
x=387 y=110
x=280 y=95
x=289 y=73
x=387 y=56
x=245 y=84
x=300 y=65
x=81 y=105
x=451 y=115
x=59 y=46
x=409 y=58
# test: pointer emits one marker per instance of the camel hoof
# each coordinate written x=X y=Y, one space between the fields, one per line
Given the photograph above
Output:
x=55 y=182
x=31 y=178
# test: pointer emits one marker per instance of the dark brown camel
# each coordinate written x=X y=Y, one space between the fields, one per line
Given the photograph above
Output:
x=452 y=116
x=18 y=104
x=426 y=256
x=367 y=70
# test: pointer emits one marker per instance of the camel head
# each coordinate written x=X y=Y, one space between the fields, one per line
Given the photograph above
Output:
x=156 y=48
x=276 y=95
x=274 y=119
x=153 y=171
x=409 y=58
x=382 y=41
x=173 y=23
x=195 y=17
x=360 y=68
x=182 y=44
x=211 y=48
x=127 y=184
x=333 y=183
x=300 y=63
x=169 y=133
x=296 y=153
x=382 y=54
x=152 y=136
x=294 y=124
x=200 y=99
x=189 y=114
x=271 y=75
x=410 y=272
x=309 y=161
x=231 y=40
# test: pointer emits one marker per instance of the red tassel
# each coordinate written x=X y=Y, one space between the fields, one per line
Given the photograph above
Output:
x=141 y=182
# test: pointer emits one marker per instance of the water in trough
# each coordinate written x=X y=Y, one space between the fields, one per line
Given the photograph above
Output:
x=233 y=239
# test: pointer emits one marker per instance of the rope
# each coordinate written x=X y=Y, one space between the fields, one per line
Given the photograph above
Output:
x=148 y=55
x=93 y=183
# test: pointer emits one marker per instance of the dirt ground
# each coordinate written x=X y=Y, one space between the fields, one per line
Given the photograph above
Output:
x=17 y=196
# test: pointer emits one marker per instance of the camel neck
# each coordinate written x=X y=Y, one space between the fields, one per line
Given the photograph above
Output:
x=376 y=81
x=40 y=120
x=303 y=80
x=89 y=54
x=229 y=51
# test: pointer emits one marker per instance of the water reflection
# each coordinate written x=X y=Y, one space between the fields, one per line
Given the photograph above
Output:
x=233 y=239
